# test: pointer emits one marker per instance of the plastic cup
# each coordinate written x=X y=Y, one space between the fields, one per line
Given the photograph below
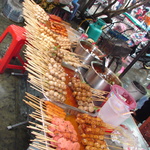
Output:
x=117 y=108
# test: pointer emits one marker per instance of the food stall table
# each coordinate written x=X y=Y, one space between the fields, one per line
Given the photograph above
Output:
x=43 y=79
x=132 y=125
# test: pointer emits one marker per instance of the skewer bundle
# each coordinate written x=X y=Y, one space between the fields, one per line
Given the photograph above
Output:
x=45 y=53
x=57 y=27
x=39 y=13
x=84 y=94
x=51 y=130
x=48 y=79
x=42 y=140
x=92 y=132
x=43 y=36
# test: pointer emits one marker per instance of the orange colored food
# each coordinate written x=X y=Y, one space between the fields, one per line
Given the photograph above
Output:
x=55 y=18
x=92 y=131
x=57 y=27
x=53 y=110
x=70 y=100
x=72 y=119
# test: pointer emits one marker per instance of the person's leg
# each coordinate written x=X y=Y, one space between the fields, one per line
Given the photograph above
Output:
x=118 y=6
x=76 y=6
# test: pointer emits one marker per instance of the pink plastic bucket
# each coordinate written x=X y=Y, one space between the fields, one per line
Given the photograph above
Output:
x=117 y=108
x=123 y=95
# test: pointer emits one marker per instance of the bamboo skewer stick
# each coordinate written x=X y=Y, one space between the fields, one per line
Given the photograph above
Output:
x=35 y=116
x=43 y=142
x=40 y=83
x=42 y=68
x=41 y=91
x=36 y=145
x=42 y=130
x=43 y=121
x=32 y=105
x=99 y=91
x=33 y=78
x=36 y=70
x=33 y=100
x=32 y=72
x=45 y=116
x=99 y=96
x=37 y=125
x=41 y=136
x=41 y=126
x=32 y=96
x=37 y=140
x=127 y=113
x=35 y=84
x=100 y=100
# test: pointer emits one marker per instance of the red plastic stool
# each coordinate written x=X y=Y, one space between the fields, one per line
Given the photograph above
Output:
x=18 y=40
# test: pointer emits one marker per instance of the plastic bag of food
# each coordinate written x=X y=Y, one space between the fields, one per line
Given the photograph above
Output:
x=124 y=137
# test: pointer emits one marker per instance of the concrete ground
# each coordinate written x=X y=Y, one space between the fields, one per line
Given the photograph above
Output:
x=12 y=91
x=12 y=109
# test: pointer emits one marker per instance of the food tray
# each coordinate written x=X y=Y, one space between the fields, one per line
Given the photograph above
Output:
x=76 y=70
x=70 y=110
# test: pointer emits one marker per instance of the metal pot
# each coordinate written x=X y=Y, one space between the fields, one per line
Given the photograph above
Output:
x=100 y=80
x=87 y=52
x=136 y=90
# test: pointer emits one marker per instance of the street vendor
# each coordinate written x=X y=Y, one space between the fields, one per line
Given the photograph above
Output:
x=143 y=113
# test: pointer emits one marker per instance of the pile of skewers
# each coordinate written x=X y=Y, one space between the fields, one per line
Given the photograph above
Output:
x=45 y=53
x=84 y=94
x=51 y=130
x=92 y=132
x=46 y=49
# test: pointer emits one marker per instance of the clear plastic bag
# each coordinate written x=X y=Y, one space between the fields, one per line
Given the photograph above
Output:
x=125 y=138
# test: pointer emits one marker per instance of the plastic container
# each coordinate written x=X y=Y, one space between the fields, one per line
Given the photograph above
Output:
x=94 y=31
x=12 y=9
x=136 y=90
x=117 y=108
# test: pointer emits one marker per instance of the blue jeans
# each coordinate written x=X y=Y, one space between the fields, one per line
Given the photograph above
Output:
x=76 y=6
x=119 y=5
